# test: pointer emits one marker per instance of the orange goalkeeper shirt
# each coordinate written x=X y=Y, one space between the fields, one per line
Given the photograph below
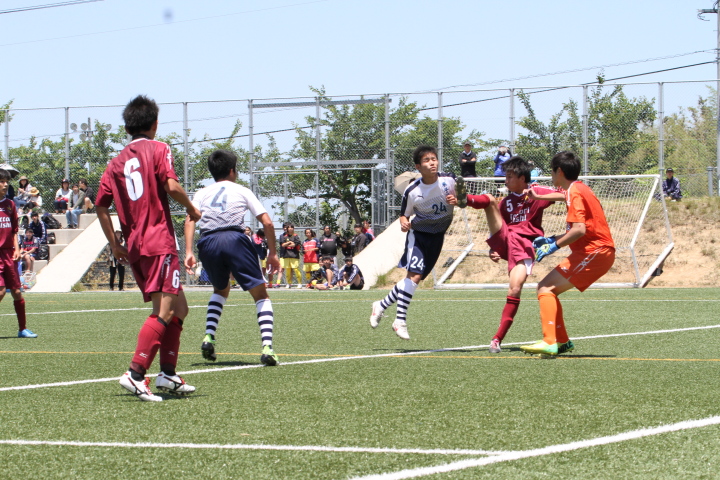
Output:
x=584 y=207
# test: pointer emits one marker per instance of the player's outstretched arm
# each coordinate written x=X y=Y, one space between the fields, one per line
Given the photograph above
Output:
x=189 y=230
x=551 y=197
x=272 y=259
x=177 y=193
x=103 y=215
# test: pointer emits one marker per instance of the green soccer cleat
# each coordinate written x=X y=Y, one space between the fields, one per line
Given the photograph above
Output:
x=268 y=357
x=460 y=192
x=566 y=347
x=541 y=348
x=208 y=348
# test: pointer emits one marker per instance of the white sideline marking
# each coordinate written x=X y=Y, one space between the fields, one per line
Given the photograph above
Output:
x=242 y=446
x=509 y=456
x=281 y=302
x=338 y=359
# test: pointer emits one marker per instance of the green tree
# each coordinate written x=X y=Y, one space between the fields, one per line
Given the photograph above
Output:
x=617 y=127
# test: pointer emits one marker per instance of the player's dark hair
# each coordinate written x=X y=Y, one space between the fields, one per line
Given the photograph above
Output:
x=420 y=152
x=326 y=257
x=140 y=114
x=518 y=166
x=358 y=225
x=29 y=230
x=4 y=175
x=221 y=162
x=348 y=258
x=34 y=214
x=260 y=233
x=83 y=181
x=568 y=163
x=312 y=232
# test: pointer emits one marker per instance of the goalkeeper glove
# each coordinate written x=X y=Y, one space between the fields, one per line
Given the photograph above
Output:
x=545 y=250
x=540 y=241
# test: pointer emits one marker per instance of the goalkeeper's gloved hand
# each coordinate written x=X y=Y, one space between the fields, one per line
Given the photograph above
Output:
x=540 y=241
x=545 y=250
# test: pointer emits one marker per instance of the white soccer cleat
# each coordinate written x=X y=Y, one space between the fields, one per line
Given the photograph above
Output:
x=377 y=314
x=400 y=328
x=140 y=389
x=173 y=384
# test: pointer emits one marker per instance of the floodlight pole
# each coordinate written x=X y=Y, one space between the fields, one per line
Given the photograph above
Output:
x=717 y=92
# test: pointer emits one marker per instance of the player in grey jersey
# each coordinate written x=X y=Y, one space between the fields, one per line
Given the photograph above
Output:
x=428 y=198
x=224 y=249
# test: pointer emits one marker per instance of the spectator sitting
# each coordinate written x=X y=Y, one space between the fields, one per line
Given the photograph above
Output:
x=23 y=193
x=34 y=200
x=328 y=275
x=359 y=241
x=62 y=196
x=28 y=249
x=671 y=186
x=89 y=202
x=351 y=276
x=38 y=227
x=75 y=207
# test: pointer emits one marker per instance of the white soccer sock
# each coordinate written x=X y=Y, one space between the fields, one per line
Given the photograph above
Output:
x=214 y=311
x=265 y=319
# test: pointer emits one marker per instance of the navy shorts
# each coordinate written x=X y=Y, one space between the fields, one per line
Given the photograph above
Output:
x=422 y=251
x=230 y=251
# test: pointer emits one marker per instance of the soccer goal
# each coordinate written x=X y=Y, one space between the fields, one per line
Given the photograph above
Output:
x=634 y=207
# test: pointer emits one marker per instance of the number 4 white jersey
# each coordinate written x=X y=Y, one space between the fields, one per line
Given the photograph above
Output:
x=429 y=204
x=224 y=204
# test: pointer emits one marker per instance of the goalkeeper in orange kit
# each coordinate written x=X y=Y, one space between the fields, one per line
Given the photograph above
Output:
x=592 y=254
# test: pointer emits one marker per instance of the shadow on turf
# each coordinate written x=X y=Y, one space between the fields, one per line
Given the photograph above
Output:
x=222 y=364
x=165 y=396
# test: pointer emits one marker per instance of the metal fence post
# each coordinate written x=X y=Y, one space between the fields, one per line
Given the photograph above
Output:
x=440 y=132
x=67 y=142
x=388 y=160
x=7 y=136
x=661 y=129
x=711 y=181
x=251 y=148
x=512 y=120
x=585 y=142
x=186 y=152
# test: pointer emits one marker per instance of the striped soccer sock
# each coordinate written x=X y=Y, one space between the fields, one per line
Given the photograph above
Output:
x=405 y=294
x=214 y=311
x=266 y=320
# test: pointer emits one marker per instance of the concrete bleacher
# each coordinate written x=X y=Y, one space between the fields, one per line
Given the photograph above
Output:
x=72 y=254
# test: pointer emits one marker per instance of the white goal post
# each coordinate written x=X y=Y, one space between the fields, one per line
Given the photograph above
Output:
x=635 y=210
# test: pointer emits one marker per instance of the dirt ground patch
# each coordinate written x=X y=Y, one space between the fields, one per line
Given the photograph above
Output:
x=694 y=261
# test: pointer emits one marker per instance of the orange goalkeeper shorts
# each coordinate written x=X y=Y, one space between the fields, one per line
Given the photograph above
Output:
x=584 y=269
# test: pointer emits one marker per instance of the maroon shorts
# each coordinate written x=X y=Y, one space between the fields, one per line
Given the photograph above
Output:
x=160 y=273
x=511 y=247
x=9 y=277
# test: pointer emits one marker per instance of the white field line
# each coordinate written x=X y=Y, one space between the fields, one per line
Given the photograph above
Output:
x=280 y=302
x=242 y=446
x=339 y=359
x=538 y=452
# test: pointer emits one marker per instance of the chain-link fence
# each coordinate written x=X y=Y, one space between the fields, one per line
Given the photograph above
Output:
x=332 y=160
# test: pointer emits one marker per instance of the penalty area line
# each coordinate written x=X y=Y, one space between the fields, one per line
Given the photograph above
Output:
x=243 y=446
x=538 y=452
x=338 y=359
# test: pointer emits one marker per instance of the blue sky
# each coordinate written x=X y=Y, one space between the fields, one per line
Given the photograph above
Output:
x=106 y=52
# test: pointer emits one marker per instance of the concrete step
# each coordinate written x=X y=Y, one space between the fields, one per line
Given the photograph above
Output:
x=39 y=264
x=84 y=220
x=65 y=236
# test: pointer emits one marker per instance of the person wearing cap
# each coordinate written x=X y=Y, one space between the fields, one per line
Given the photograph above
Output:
x=62 y=196
x=23 y=193
x=502 y=156
x=671 y=186
x=34 y=201
x=468 y=159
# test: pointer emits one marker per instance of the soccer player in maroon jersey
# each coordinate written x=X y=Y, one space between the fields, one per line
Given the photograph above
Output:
x=139 y=181
x=514 y=222
x=10 y=254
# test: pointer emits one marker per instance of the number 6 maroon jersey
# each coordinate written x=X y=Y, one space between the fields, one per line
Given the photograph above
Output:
x=135 y=180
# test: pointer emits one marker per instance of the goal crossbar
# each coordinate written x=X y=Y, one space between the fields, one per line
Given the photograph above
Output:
x=633 y=204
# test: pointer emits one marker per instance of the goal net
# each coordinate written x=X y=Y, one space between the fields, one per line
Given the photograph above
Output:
x=635 y=210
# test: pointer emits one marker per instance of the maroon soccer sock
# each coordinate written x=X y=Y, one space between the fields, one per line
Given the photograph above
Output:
x=508 y=315
x=148 y=343
x=478 y=201
x=20 y=312
x=170 y=345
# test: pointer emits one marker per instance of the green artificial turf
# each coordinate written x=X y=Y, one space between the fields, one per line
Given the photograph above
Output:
x=343 y=384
